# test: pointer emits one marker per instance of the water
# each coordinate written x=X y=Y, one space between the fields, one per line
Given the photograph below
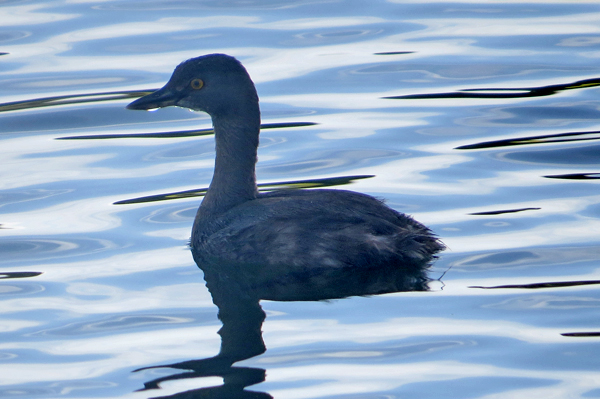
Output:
x=94 y=290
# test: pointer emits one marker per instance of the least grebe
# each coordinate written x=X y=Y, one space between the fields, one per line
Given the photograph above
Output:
x=306 y=231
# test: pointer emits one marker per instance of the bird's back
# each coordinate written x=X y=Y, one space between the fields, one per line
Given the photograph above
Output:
x=304 y=233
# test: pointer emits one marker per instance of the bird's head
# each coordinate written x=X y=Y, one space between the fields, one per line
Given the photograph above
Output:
x=216 y=83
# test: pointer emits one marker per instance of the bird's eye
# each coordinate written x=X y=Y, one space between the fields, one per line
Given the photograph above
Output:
x=197 y=84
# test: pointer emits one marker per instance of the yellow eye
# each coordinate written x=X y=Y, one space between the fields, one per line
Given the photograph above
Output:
x=197 y=84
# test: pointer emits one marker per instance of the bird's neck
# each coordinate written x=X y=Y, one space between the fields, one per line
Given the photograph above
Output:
x=234 y=179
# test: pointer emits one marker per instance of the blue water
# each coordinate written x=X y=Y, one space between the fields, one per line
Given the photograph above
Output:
x=93 y=290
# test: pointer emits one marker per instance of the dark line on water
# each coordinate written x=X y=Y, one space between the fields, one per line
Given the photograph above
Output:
x=581 y=334
x=504 y=211
x=73 y=99
x=180 y=133
x=18 y=274
x=576 y=176
x=542 y=285
x=539 y=91
x=292 y=185
x=395 y=53
x=550 y=138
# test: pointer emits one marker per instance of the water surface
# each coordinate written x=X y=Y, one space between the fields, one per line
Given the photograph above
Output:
x=480 y=119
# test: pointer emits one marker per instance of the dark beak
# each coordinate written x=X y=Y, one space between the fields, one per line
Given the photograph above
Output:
x=161 y=98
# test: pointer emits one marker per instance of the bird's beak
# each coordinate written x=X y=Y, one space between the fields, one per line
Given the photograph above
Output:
x=164 y=97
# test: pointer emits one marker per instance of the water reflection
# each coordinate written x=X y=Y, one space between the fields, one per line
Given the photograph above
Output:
x=289 y=185
x=503 y=211
x=543 y=139
x=178 y=134
x=503 y=92
x=237 y=292
x=576 y=176
x=581 y=334
x=394 y=53
x=6 y=275
x=72 y=99
x=553 y=284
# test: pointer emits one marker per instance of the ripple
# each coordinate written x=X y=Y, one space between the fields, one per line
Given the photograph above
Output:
x=9 y=36
x=332 y=36
x=530 y=258
x=113 y=324
x=17 y=392
x=218 y=4
x=20 y=289
x=321 y=162
x=6 y=356
x=173 y=214
x=541 y=302
x=506 y=259
x=52 y=389
x=568 y=156
x=20 y=196
x=25 y=250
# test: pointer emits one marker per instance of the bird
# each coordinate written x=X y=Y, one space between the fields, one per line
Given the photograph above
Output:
x=308 y=238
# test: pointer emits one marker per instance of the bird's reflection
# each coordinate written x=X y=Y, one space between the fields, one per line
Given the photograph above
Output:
x=237 y=295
